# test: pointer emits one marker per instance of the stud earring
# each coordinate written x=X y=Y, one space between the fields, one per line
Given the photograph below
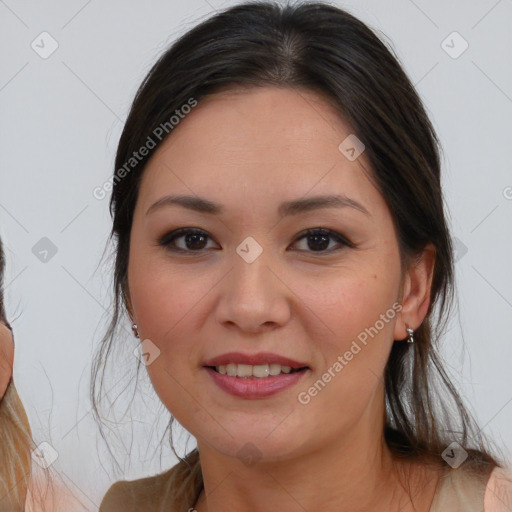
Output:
x=135 y=330
x=410 y=331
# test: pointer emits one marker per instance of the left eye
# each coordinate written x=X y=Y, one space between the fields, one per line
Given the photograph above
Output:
x=195 y=239
x=319 y=239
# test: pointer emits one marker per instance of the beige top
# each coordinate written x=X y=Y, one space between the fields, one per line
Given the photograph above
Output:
x=457 y=491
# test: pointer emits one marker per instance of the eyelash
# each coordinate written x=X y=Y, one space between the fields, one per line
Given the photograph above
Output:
x=168 y=240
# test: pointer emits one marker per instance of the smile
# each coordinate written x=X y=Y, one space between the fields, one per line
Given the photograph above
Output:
x=260 y=371
x=252 y=387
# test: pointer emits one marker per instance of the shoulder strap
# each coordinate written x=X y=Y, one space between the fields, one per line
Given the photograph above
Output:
x=459 y=490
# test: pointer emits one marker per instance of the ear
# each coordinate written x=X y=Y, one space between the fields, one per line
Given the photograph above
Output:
x=415 y=292
x=127 y=301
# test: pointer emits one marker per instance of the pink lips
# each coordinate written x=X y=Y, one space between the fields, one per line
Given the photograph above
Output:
x=254 y=388
x=253 y=359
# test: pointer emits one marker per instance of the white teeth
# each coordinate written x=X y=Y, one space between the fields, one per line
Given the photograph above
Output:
x=275 y=369
x=244 y=370
x=261 y=371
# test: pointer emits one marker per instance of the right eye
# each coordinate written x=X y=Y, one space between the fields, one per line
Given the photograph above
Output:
x=193 y=240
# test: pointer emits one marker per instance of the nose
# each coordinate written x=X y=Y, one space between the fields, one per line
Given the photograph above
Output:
x=254 y=297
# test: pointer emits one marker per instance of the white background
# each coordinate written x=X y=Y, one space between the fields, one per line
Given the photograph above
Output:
x=61 y=120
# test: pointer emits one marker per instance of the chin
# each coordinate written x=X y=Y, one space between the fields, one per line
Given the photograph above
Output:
x=252 y=440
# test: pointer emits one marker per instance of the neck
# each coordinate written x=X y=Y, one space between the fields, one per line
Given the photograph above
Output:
x=354 y=473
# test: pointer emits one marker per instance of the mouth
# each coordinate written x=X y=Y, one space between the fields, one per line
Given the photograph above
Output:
x=260 y=371
x=255 y=376
x=245 y=384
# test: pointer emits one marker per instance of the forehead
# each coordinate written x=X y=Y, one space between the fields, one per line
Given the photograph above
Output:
x=273 y=142
x=260 y=124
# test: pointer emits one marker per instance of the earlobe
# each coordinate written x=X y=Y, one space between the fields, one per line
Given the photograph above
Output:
x=129 y=308
x=416 y=291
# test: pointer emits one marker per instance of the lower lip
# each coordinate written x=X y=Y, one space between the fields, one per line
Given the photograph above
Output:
x=253 y=388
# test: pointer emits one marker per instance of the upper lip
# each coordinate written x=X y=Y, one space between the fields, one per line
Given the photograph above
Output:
x=253 y=359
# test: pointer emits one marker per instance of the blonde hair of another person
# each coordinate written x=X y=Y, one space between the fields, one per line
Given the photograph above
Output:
x=15 y=435
x=23 y=487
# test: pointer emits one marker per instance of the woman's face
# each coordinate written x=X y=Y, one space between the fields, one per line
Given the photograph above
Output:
x=254 y=284
x=6 y=357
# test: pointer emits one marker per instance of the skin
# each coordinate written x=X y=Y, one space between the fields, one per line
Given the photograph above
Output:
x=6 y=357
x=250 y=150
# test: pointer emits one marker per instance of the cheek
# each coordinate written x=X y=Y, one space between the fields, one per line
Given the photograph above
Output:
x=163 y=296
x=6 y=358
x=162 y=318
x=165 y=302
x=348 y=305
x=360 y=319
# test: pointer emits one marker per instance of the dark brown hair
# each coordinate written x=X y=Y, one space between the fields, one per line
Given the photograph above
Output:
x=314 y=46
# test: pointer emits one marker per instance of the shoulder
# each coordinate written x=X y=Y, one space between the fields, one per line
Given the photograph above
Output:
x=48 y=492
x=133 y=495
x=498 y=493
x=168 y=491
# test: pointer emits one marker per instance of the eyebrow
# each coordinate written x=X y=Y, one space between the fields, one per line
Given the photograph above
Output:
x=287 y=208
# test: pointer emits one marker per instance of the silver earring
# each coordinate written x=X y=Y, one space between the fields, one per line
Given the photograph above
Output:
x=135 y=330
x=411 y=335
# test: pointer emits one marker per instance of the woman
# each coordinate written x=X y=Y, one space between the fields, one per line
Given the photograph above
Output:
x=23 y=487
x=14 y=427
x=281 y=243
